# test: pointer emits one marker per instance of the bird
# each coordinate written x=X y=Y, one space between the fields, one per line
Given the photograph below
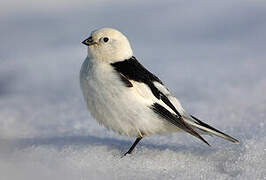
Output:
x=125 y=97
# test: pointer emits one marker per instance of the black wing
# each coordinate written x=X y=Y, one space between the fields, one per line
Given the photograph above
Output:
x=125 y=80
x=131 y=69
x=179 y=122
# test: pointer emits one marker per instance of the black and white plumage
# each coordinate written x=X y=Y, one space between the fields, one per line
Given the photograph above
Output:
x=125 y=97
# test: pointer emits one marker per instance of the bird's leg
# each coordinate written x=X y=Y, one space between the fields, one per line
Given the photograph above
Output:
x=133 y=146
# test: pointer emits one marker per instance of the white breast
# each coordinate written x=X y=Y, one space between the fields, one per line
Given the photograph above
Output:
x=122 y=109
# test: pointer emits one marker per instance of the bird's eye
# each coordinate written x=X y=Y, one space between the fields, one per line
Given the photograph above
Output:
x=105 y=39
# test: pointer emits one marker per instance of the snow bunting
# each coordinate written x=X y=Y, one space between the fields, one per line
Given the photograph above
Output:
x=125 y=97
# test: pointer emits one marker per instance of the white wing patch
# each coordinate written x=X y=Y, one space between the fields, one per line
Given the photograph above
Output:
x=171 y=98
x=148 y=97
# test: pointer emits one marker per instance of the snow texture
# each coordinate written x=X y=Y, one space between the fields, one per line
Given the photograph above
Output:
x=211 y=55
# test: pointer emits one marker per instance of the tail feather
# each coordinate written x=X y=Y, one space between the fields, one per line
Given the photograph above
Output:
x=210 y=130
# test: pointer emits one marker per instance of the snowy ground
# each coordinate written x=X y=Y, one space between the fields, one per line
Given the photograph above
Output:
x=211 y=54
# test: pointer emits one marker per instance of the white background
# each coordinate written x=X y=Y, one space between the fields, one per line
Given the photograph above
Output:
x=211 y=55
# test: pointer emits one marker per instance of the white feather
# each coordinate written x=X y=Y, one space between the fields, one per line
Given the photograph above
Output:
x=122 y=109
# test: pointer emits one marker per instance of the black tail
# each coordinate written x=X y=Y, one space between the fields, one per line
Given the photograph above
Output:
x=211 y=130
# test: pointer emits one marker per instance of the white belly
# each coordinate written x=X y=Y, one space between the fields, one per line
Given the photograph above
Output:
x=118 y=107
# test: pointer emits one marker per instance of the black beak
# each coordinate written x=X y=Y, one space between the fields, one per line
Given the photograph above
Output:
x=89 y=41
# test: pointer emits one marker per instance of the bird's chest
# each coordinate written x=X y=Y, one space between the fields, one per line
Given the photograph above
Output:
x=102 y=90
x=103 y=82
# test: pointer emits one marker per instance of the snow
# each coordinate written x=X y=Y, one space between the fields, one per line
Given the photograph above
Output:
x=210 y=54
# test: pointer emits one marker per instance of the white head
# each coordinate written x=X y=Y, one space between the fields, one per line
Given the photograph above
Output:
x=108 y=45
